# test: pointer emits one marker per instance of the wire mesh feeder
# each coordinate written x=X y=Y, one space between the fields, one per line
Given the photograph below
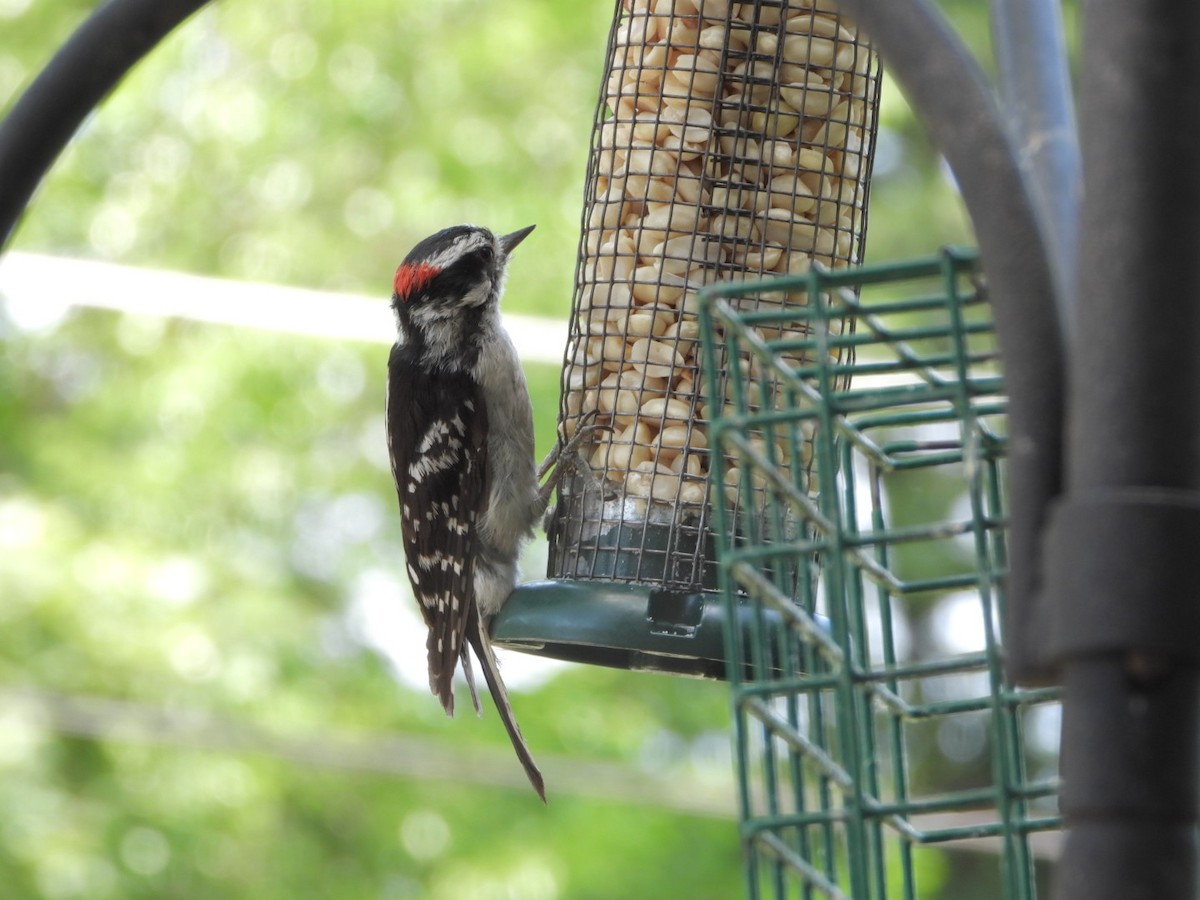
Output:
x=870 y=745
x=732 y=140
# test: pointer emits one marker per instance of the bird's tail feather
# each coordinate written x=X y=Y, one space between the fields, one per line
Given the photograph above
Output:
x=441 y=674
x=491 y=673
x=469 y=674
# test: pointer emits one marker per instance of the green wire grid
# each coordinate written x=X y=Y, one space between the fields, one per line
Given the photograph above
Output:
x=854 y=717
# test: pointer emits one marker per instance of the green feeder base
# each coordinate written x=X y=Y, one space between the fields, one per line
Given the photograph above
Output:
x=622 y=625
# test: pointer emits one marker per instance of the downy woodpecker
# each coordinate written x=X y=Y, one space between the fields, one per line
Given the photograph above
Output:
x=460 y=438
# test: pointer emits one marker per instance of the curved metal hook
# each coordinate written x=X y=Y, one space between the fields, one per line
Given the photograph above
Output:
x=953 y=100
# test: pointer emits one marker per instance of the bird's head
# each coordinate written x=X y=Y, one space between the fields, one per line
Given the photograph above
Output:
x=452 y=272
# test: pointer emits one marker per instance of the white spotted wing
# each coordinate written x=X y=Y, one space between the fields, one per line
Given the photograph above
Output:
x=437 y=441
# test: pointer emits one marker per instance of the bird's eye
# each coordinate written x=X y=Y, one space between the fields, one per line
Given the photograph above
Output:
x=487 y=253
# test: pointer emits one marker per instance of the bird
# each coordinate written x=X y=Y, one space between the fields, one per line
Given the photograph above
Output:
x=460 y=440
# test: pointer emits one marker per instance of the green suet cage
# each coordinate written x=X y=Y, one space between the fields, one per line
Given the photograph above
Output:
x=869 y=750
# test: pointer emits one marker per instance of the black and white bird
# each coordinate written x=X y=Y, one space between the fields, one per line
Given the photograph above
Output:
x=460 y=438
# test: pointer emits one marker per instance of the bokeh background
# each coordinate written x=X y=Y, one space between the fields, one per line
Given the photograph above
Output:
x=210 y=667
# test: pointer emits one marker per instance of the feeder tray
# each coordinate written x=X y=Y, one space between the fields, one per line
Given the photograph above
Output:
x=624 y=626
x=732 y=142
x=627 y=626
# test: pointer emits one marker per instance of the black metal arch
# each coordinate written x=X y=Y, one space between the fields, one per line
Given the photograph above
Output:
x=89 y=65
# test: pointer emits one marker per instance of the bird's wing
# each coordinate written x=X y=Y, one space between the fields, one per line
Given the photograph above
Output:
x=437 y=442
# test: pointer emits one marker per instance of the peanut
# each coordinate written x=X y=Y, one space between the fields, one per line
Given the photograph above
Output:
x=654 y=359
x=664 y=408
x=649 y=479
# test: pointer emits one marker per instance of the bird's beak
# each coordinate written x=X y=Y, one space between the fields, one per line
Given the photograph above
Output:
x=508 y=243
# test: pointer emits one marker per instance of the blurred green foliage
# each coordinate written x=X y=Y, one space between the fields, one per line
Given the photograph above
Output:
x=199 y=520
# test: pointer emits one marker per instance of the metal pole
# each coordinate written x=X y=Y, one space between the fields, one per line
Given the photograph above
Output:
x=1124 y=542
x=1035 y=83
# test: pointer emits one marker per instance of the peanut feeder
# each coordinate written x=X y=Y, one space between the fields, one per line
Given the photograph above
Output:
x=733 y=141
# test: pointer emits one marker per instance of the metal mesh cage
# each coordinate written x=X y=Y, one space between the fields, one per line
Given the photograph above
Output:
x=876 y=733
x=732 y=140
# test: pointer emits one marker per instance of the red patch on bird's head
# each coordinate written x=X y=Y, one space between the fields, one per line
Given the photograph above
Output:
x=412 y=277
